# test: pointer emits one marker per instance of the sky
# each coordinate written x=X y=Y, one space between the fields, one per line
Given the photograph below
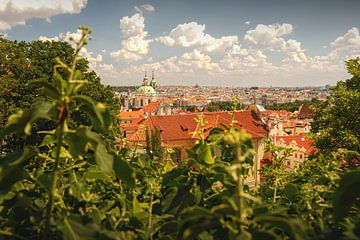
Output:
x=215 y=43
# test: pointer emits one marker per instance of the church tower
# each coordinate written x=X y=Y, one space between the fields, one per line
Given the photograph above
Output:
x=153 y=82
x=145 y=80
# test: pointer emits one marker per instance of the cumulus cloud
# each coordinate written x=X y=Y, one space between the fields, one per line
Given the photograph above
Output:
x=268 y=36
x=189 y=62
x=135 y=45
x=75 y=36
x=247 y=23
x=350 y=40
x=14 y=13
x=193 y=35
x=271 y=37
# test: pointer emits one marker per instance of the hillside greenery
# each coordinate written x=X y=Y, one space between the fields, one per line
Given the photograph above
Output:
x=72 y=184
x=24 y=62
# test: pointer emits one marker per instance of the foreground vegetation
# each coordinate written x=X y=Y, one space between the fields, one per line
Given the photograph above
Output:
x=71 y=184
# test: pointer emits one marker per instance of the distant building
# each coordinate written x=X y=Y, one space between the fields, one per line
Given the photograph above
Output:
x=143 y=95
x=302 y=148
x=177 y=132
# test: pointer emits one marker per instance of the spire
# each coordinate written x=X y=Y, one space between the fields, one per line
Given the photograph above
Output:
x=145 y=81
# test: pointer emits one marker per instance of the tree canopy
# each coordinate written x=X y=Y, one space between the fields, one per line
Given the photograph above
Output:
x=24 y=62
x=337 y=122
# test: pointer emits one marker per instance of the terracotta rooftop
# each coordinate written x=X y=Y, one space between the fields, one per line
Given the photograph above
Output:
x=181 y=127
x=151 y=107
x=305 y=111
x=131 y=114
x=300 y=140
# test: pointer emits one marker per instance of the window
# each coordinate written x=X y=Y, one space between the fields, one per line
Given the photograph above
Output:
x=295 y=155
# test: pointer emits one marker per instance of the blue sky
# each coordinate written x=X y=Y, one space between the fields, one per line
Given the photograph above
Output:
x=228 y=43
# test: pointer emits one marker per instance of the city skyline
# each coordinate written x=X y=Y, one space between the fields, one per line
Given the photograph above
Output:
x=228 y=43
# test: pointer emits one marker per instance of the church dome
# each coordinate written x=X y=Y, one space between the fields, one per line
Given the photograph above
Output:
x=146 y=90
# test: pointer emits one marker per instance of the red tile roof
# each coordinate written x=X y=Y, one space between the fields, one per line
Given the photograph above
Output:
x=131 y=115
x=301 y=141
x=151 y=107
x=181 y=127
x=305 y=111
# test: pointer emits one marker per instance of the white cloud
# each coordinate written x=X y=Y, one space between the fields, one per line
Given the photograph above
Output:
x=14 y=13
x=268 y=36
x=193 y=35
x=350 y=40
x=145 y=7
x=237 y=50
x=135 y=46
x=247 y=23
x=75 y=36
x=4 y=35
x=271 y=37
x=55 y=39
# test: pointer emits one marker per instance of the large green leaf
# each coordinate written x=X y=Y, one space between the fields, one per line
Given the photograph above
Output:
x=49 y=89
x=21 y=122
x=205 y=155
x=11 y=167
x=347 y=193
x=124 y=171
x=98 y=113
x=292 y=227
x=77 y=141
x=104 y=159
x=291 y=191
x=73 y=228
x=97 y=174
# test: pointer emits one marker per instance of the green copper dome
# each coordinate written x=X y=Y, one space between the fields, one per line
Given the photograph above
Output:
x=145 y=90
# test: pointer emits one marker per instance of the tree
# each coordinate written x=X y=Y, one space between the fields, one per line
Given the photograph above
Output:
x=337 y=121
x=24 y=62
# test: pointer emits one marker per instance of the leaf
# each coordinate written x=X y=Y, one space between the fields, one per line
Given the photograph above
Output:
x=169 y=165
x=104 y=159
x=72 y=228
x=11 y=167
x=17 y=157
x=21 y=122
x=77 y=141
x=44 y=180
x=346 y=194
x=196 y=220
x=139 y=209
x=205 y=155
x=98 y=113
x=292 y=227
x=49 y=89
x=96 y=174
x=123 y=171
x=291 y=191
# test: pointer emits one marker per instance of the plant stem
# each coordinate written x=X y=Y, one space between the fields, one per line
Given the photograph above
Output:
x=54 y=178
x=148 y=232
x=274 y=197
x=240 y=186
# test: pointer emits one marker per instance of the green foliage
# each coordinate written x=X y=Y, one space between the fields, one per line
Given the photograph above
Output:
x=293 y=106
x=337 y=124
x=26 y=67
